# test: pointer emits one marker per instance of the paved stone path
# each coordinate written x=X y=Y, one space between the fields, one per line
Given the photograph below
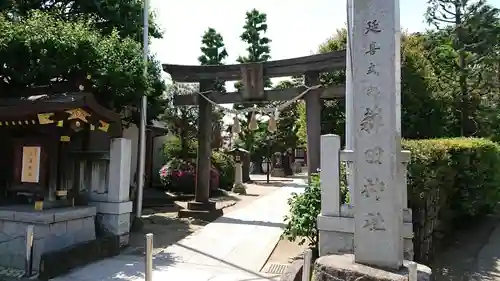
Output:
x=487 y=262
x=232 y=248
x=473 y=254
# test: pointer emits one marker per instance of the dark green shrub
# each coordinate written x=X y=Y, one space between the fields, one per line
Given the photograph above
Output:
x=305 y=208
x=464 y=169
x=175 y=148
x=224 y=163
x=450 y=182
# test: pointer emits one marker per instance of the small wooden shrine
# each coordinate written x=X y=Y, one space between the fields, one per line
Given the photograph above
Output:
x=45 y=141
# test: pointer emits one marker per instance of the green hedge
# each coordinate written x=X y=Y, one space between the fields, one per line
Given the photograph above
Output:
x=450 y=181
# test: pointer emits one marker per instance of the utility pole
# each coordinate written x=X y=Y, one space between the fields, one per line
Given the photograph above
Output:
x=143 y=111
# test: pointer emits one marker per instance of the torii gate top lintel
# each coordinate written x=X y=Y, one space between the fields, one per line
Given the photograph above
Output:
x=279 y=68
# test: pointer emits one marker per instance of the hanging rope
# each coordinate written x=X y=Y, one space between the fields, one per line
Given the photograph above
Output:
x=273 y=112
x=258 y=110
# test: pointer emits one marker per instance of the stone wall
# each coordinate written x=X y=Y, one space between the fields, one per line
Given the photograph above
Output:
x=54 y=229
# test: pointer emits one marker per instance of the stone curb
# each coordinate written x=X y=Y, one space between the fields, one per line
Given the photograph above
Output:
x=293 y=271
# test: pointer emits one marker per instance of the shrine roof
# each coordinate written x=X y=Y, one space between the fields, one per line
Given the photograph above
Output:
x=19 y=108
x=54 y=102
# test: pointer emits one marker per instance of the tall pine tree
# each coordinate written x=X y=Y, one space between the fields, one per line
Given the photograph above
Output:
x=214 y=53
x=258 y=51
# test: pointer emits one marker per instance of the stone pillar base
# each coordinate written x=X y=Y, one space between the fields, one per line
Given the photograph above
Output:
x=114 y=218
x=278 y=173
x=343 y=268
x=200 y=210
x=201 y=206
x=239 y=188
x=336 y=233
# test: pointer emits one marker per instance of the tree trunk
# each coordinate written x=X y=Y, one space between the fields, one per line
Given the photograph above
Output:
x=467 y=127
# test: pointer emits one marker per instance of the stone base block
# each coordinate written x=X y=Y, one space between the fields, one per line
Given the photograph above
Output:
x=335 y=242
x=201 y=206
x=343 y=268
x=200 y=214
x=278 y=173
x=54 y=229
x=113 y=207
x=114 y=218
x=239 y=188
x=336 y=234
x=116 y=224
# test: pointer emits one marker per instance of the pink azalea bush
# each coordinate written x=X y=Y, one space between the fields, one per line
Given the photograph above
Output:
x=180 y=176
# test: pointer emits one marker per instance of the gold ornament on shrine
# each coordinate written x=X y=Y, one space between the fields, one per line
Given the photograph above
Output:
x=76 y=116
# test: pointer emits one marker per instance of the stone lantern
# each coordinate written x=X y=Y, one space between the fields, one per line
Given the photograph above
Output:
x=278 y=170
x=238 y=155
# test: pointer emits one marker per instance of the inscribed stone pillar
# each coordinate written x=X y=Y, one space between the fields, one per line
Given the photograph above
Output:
x=378 y=215
x=313 y=123
x=202 y=190
x=113 y=213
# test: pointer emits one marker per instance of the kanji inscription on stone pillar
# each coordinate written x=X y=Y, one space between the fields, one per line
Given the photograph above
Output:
x=378 y=235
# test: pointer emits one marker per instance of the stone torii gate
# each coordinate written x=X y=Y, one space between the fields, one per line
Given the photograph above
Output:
x=254 y=74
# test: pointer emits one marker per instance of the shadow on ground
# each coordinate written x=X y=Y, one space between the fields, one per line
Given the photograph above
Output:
x=247 y=222
x=162 y=220
x=165 y=226
x=280 y=184
x=487 y=264
x=458 y=260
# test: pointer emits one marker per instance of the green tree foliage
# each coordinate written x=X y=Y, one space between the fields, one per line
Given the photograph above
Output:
x=425 y=113
x=468 y=31
x=258 y=44
x=258 y=50
x=40 y=48
x=258 y=47
x=108 y=16
x=301 y=223
x=181 y=120
x=214 y=53
x=287 y=129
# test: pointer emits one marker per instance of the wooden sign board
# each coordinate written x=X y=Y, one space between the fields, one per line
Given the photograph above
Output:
x=253 y=81
x=30 y=171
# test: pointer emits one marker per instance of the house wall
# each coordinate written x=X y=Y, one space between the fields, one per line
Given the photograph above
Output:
x=132 y=133
x=158 y=159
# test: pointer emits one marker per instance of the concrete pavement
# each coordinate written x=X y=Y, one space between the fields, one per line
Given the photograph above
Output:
x=232 y=248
